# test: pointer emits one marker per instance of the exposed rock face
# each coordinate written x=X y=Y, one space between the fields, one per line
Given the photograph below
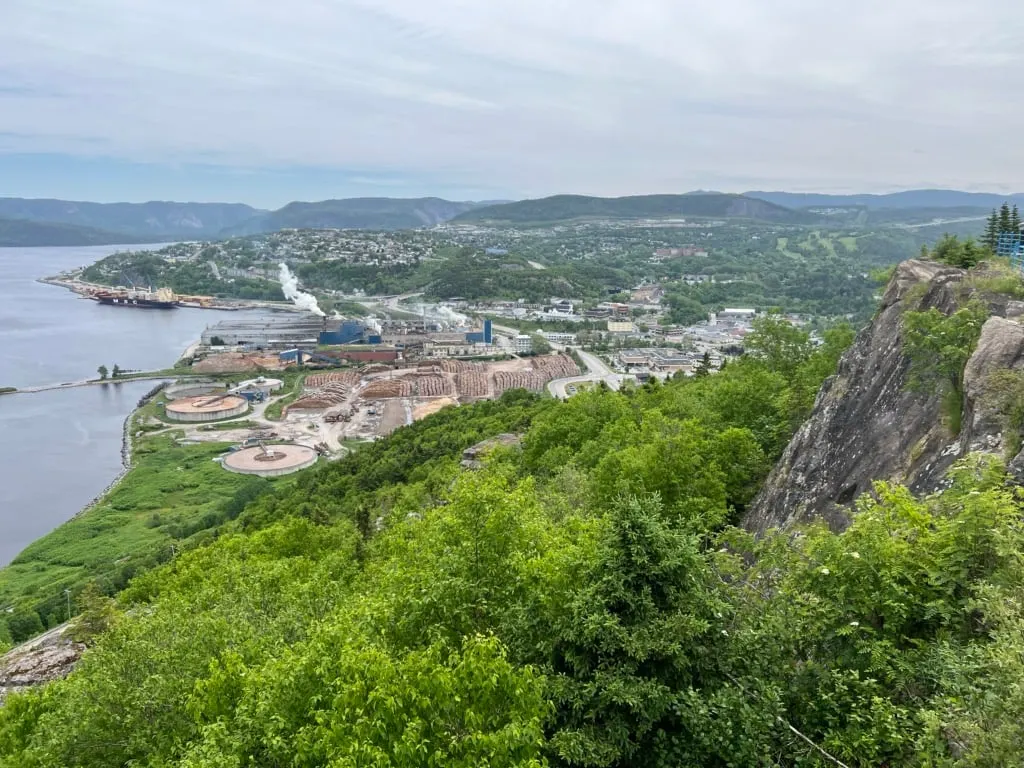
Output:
x=50 y=656
x=866 y=425
x=472 y=457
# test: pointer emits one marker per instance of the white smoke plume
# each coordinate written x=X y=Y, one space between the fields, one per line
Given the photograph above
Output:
x=453 y=317
x=374 y=325
x=290 y=289
x=446 y=316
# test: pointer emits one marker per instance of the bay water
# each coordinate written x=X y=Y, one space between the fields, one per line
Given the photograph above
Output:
x=60 y=448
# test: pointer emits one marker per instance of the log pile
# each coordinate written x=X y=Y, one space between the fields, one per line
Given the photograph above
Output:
x=385 y=388
x=506 y=380
x=555 y=366
x=433 y=386
x=471 y=383
x=318 y=380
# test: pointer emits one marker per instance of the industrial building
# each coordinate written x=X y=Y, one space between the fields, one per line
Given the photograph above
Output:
x=274 y=330
x=258 y=389
x=523 y=344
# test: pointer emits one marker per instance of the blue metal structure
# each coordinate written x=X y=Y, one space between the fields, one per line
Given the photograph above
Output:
x=349 y=332
x=1011 y=245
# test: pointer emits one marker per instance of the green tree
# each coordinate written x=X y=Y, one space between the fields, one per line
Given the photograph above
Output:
x=116 y=372
x=779 y=344
x=103 y=372
x=991 y=236
x=1014 y=219
x=630 y=640
x=1005 y=218
x=957 y=253
x=541 y=346
x=24 y=624
x=938 y=347
x=704 y=366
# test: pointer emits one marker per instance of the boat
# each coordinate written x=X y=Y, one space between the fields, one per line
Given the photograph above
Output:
x=162 y=298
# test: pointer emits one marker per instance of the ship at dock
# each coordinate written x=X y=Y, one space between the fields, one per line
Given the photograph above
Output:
x=162 y=298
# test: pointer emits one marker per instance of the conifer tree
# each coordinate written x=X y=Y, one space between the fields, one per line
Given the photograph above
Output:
x=1014 y=220
x=1004 y=218
x=991 y=236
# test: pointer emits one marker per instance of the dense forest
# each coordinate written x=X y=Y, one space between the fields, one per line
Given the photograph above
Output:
x=582 y=600
x=560 y=208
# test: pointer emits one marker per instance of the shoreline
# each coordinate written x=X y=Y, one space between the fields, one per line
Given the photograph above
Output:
x=82 y=288
x=126 y=450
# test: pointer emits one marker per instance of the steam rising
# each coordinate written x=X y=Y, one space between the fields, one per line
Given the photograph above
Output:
x=444 y=315
x=290 y=289
x=374 y=324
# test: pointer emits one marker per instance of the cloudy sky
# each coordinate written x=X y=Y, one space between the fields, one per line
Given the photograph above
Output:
x=266 y=101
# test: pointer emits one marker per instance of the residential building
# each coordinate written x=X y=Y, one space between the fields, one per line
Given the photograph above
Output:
x=621 y=326
x=559 y=337
x=523 y=344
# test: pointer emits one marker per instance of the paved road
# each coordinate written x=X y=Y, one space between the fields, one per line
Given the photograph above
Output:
x=597 y=371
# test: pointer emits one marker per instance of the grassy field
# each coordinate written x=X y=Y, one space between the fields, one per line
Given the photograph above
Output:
x=173 y=497
x=294 y=389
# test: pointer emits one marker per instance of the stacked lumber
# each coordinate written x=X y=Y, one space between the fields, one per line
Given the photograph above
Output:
x=385 y=388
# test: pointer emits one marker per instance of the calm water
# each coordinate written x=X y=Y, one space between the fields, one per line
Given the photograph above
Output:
x=59 y=449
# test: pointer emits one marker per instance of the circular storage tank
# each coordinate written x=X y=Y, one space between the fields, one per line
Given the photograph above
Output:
x=270 y=461
x=193 y=388
x=206 y=407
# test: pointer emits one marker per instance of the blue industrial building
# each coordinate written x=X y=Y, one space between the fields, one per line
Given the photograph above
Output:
x=480 y=337
x=349 y=332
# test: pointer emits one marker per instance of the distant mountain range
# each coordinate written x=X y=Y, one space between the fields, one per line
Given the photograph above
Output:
x=23 y=233
x=61 y=222
x=355 y=213
x=138 y=222
x=567 y=207
x=915 y=198
x=164 y=221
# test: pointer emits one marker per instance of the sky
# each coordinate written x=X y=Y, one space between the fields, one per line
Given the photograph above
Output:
x=264 y=102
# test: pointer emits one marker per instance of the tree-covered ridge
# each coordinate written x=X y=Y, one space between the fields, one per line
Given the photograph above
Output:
x=568 y=207
x=580 y=601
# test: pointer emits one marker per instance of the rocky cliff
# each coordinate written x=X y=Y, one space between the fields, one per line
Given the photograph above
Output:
x=48 y=657
x=867 y=425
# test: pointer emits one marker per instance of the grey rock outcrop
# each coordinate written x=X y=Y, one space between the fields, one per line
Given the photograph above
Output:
x=48 y=657
x=867 y=425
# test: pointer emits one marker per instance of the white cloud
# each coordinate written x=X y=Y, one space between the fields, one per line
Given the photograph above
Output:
x=532 y=96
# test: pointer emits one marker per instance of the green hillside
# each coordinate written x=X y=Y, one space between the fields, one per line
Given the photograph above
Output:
x=567 y=207
x=580 y=601
x=382 y=213
x=23 y=233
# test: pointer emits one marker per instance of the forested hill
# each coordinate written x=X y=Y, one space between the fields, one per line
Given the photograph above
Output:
x=567 y=207
x=21 y=233
x=382 y=213
x=915 y=198
x=580 y=600
x=131 y=222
